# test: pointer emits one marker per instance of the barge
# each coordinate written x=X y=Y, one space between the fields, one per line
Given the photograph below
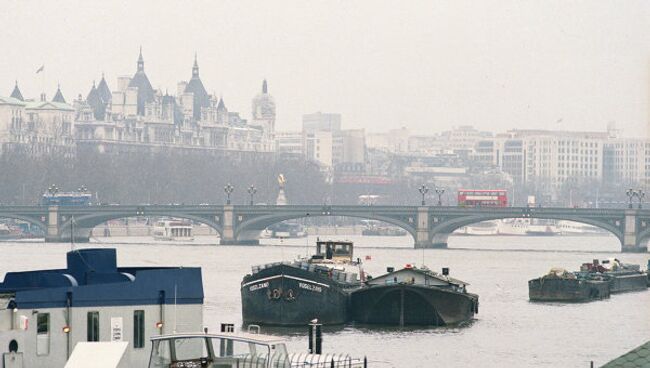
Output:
x=44 y=314
x=413 y=296
x=595 y=280
x=294 y=293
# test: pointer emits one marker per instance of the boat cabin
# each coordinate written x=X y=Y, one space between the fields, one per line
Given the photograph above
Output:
x=418 y=276
x=237 y=350
x=225 y=350
x=45 y=313
x=334 y=250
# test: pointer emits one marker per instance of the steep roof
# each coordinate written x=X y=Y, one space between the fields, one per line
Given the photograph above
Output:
x=221 y=105
x=103 y=90
x=95 y=101
x=195 y=86
x=141 y=82
x=58 y=96
x=48 y=105
x=637 y=358
x=16 y=93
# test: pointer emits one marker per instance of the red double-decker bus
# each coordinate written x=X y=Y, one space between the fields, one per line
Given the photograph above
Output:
x=483 y=197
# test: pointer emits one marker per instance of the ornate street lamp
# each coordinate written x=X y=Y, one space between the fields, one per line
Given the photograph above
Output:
x=252 y=190
x=228 y=189
x=82 y=189
x=53 y=189
x=423 y=190
x=640 y=194
x=440 y=192
x=630 y=194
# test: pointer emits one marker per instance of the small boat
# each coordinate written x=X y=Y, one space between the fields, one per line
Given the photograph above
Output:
x=173 y=230
x=294 y=293
x=413 y=296
x=235 y=350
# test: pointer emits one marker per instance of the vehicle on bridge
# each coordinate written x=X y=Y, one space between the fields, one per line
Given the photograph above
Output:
x=294 y=293
x=66 y=199
x=482 y=197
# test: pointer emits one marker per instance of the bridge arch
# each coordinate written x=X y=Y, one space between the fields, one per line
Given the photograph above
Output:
x=33 y=220
x=440 y=231
x=84 y=224
x=250 y=228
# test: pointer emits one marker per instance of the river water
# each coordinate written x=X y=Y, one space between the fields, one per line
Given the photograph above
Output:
x=509 y=331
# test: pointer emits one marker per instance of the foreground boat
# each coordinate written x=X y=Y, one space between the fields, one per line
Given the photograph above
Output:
x=236 y=350
x=413 y=296
x=294 y=293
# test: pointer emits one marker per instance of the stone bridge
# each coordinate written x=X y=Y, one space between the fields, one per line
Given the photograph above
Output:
x=430 y=226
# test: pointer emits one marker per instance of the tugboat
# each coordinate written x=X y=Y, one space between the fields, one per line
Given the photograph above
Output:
x=413 y=296
x=294 y=293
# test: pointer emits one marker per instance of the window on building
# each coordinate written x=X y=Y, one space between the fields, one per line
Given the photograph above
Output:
x=42 y=334
x=93 y=326
x=138 y=329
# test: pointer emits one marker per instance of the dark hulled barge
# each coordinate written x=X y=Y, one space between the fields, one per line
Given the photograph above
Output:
x=594 y=281
x=413 y=296
x=294 y=293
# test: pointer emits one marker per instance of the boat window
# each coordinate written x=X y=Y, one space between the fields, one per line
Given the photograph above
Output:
x=246 y=353
x=138 y=329
x=189 y=349
x=160 y=354
x=42 y=333
x=93 y=326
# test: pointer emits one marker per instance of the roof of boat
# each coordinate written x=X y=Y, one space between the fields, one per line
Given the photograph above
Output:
x=425 y=271
x=252 y=337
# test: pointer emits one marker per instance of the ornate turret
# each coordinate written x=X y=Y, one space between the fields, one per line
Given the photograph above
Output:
x=16 y=93
x=141 y=82
x=264 y=110
x=58 y=96
x=195 y=86
x=95 y=102
x=104 y=91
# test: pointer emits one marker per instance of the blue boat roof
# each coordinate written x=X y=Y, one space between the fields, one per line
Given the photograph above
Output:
x=92 y=278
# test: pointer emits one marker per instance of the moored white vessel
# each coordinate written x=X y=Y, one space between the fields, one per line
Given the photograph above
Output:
x=173 y=230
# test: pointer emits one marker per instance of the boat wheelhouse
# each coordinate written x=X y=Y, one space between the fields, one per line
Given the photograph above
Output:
x=45 y=313
x=237 y=350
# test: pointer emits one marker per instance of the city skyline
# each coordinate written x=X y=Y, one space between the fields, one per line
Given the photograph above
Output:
x=556 y=65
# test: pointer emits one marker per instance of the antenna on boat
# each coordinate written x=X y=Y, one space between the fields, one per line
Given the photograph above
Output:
x=72 y=233
x=175 y=304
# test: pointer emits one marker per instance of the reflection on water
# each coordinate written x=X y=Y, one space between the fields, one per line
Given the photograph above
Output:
x=509 y=331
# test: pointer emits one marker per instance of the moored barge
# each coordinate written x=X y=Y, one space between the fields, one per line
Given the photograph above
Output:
x=294 y=293
x=413 y=296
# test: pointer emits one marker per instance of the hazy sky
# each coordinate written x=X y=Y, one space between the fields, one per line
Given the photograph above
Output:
x=426 y=65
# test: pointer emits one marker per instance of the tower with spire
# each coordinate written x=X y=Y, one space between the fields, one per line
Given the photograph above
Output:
x=16 y=93
x=141 y=82
x=58 y=96
x=264 y=110
x=200 y=95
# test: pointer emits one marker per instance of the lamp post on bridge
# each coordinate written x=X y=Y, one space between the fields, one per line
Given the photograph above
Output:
x=228 y=189
x=423 y=190
x=638 y=193
x=82 y=189
x=53 y=189
x=252 y=190
x=440 y=192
